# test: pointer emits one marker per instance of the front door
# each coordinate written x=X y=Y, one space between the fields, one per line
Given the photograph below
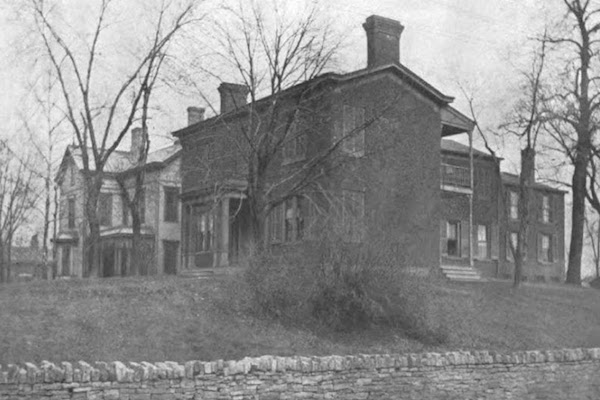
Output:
x=203 y=236
x=170 y=248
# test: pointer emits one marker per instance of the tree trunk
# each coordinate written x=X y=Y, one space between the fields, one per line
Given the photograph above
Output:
x=578 y=220
x=137 y=255
x=92 y=240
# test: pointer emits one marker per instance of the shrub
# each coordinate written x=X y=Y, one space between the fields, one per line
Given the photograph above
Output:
x=343 y=287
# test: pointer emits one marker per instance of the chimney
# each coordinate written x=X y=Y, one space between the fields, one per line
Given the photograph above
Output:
x=233 y=96
x=383 y=41
x=195 y=115
x=137 y=143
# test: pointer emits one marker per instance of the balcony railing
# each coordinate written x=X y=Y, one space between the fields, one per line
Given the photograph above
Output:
x=455 y=176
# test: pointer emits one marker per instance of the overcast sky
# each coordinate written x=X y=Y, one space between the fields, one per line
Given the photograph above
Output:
x=479 y=44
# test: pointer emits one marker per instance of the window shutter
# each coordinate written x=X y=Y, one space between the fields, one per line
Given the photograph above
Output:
x=540 y=255
x=495 y=237
x=443 y=237
x=464 y=239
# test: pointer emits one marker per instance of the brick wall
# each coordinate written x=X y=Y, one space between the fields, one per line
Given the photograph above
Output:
x=556 y=374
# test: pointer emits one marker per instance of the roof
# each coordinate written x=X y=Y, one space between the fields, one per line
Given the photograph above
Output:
x=398 y=69
x=513 y=180
x=121 y=161
x=459 y=148
x=26 y=254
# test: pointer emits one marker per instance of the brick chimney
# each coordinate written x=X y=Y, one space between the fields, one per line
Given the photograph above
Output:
x=137 y=143
x=233 y=96
x=195 y=115
x=383 y=41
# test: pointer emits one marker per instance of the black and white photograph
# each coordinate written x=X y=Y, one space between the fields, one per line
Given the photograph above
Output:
x=299 y=199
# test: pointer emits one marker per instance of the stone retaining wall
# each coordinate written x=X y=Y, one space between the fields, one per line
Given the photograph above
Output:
x=556 y=374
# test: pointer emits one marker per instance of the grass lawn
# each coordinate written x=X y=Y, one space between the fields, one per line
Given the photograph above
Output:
x=178 y=319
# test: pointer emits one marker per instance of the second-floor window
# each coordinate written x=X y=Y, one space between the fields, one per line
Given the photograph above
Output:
x=71 y=213
x=294 y=147
x=483 y=183
x=513 y=204
x=105 y=209
x=353 y=131
x=142 y=207
x=171 y=204
x=124 y=211
x=546 y=209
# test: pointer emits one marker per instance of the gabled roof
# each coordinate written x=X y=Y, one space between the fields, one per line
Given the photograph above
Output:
x=399 y=70
x=121 y=161
x=513 y=180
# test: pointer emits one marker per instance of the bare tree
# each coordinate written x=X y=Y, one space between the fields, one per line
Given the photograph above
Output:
x=17 y=198
x=575 y=109
x=273 y=52
x=525 y=122
x=43 y=123
x=99 y=120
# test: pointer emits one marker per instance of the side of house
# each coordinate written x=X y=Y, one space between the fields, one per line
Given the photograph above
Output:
x=377 y=134
x=160 y=213
x=495 y=219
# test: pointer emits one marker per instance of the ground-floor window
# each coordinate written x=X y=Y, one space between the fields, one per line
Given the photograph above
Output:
x=66 y=261
x=483 y=242
x=453 y=238
x=545 y=248
x=287 y=221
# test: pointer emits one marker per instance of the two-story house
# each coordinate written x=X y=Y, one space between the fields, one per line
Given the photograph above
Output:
x=160 y=212
x=382 y=181
x=478 y=221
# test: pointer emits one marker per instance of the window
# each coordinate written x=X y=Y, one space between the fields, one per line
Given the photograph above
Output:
x=546 y=208
x=105 y=209
x=171 y=204
x=202 y=229
x=483 y=243
x=294 y=148
x=513 y=205
x=453 y=238
x=287 y=220
x=71 y=213
x=511 y=239
x=545 y=248
x=72 y=169
x=124 y=211
x=353 y=212
x=66 y=261
x=353 y=131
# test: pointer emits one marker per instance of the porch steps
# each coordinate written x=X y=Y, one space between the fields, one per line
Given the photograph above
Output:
x=462 y=273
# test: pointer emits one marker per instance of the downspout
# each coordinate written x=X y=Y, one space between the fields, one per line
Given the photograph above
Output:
x=471 y=198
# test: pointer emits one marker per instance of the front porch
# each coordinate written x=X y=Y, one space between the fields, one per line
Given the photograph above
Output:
x=215 y=232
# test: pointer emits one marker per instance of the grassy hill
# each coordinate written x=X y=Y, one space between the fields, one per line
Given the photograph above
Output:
x=152 y=319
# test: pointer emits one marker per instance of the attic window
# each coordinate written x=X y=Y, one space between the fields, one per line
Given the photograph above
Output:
x=72 y=173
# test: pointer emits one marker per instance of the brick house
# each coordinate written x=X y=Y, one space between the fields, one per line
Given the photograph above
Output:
x=160 y=212
x=388 y=187
x=495 y=219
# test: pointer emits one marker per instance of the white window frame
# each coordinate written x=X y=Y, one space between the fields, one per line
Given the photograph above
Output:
x=353 y=131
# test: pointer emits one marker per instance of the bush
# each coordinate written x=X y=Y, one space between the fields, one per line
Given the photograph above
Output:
x=343 y=287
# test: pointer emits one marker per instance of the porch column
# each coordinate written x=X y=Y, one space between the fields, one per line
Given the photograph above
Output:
x=224 y=239
x=471 y=184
